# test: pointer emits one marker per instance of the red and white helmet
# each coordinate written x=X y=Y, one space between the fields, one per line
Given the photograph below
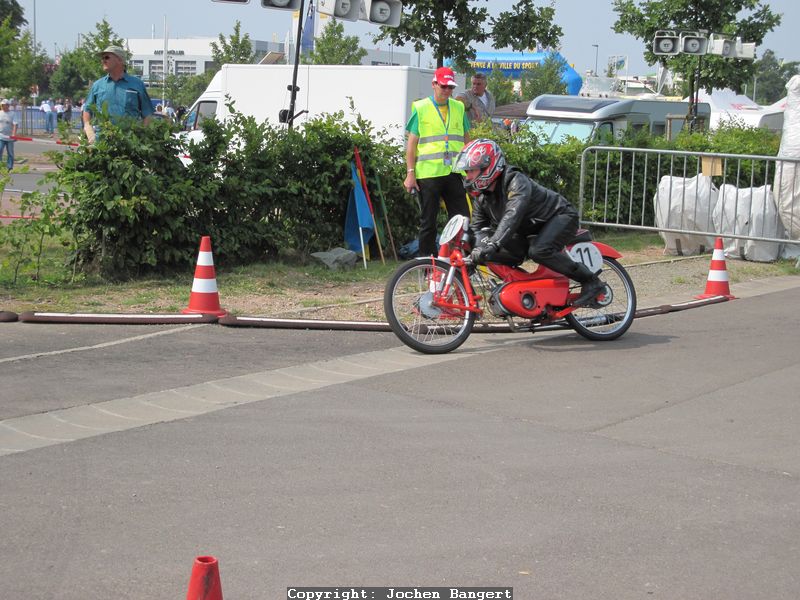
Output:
x=483 y=162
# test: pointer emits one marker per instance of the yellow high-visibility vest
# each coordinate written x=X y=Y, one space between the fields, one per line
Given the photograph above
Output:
x=437 y=137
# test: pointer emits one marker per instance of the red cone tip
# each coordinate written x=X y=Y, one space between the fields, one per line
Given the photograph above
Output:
x=205 y=244
x=204 y=583
x=718 y=244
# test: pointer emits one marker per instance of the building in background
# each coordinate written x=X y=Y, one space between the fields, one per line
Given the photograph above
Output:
x=192 y=56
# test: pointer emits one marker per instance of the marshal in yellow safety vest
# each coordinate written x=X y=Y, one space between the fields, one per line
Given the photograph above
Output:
x=441 y=137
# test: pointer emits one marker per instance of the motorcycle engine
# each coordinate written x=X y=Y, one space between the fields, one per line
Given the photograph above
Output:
x=518 y=298
x=495 y=305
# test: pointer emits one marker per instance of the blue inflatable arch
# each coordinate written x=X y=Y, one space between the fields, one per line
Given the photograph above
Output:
x=514 y=64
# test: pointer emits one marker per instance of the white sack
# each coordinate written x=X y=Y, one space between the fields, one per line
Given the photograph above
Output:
x=787 y=174
x=748 y=211
x=687 y=204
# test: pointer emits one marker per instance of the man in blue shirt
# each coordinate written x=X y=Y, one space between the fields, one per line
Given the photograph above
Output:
x=122 y=94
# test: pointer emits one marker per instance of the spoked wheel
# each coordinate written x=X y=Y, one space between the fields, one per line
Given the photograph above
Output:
x=612 y=313
x=408 y=302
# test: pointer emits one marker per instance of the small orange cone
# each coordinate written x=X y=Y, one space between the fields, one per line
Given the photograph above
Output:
x=205 y=297
x=204 y=583
x=717 y=284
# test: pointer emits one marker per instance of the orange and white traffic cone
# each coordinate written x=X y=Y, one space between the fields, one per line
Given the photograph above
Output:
x=205 y=297
x=204 y=583
x=717 y=284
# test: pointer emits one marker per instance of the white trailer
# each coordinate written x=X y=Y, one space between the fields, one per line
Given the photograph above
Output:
x=557 y=117
x=380 y=94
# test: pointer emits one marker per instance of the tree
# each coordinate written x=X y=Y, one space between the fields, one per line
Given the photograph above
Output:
x=526 y=26
x=8 y=40
x=185 y=89
x=12 y=9
x=452 y=27
x=501 y=87
x=335 y=48
x=70 y=79
x=26 y=66
x=544 y=78
x=80 y=67
x=234 y=50
x=769 y=83
x=712 y=16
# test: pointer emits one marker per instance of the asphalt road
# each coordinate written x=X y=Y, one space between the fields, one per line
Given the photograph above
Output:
x=665 y=464
x=30 y=154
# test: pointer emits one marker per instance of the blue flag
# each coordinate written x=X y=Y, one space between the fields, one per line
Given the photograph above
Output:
x=307 y=38
x=357 y=216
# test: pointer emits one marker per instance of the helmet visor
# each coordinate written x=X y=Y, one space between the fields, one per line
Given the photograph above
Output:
x=462 y=162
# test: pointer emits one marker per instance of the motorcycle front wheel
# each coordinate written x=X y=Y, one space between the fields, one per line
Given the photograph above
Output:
x=408 y=302
x=613 y=312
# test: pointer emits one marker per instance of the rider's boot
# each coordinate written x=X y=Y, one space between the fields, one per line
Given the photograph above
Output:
x=591 y=285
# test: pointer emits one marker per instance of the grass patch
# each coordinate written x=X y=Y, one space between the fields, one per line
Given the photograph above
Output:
x=325 y=301
x=628 y=241
x=302 y=285
x=54 y=290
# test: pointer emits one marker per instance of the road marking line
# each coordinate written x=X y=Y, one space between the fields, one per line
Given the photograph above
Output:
x=103 y=345
x=33 y=435
x=177 y=410
x=228 y=390
x=71 y=424
x=262 y=378
x=196 y=398
x=113 y=414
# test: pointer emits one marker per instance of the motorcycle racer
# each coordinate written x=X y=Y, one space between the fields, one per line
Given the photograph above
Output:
x=508 y=202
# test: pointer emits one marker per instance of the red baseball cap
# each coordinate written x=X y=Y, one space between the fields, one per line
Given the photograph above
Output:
x=445 y=76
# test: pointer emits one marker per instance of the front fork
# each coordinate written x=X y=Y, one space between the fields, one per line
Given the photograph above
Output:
x=441 y=289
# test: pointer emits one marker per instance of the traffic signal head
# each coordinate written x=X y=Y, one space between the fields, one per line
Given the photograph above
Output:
x=692 y=42
x=381 y=12
x=347 y=10
x=281 y=4
x=666 y=43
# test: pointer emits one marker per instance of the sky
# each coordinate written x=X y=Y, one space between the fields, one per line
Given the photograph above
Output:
x=585 y=23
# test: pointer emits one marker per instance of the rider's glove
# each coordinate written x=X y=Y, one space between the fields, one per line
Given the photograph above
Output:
x=483 y=253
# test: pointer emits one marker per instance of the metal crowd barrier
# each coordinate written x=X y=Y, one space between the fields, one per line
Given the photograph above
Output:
x=625 y=188
x=32 y=121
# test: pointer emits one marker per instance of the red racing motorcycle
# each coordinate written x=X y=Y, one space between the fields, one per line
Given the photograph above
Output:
x=432 y=303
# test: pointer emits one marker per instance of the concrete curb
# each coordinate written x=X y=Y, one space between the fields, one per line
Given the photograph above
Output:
x=111 y=319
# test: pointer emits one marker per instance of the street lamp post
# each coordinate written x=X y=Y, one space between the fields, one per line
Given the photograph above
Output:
x=596 y=52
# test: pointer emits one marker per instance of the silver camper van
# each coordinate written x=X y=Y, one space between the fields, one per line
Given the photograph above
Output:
x=554 y=118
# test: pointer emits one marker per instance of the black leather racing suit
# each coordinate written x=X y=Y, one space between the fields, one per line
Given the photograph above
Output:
x=519 y=205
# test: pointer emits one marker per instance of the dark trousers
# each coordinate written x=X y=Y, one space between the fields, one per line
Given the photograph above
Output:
x=450 y=188
x=547 y=248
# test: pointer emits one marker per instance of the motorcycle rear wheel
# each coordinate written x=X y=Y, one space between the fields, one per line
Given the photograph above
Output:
x=409 y=308
x=613 y=314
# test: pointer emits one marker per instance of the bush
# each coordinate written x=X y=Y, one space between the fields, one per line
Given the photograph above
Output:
x=259 y=191
x=263 y=192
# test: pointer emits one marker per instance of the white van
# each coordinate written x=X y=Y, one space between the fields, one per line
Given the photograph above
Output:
x=554 y=118
x=380 y=94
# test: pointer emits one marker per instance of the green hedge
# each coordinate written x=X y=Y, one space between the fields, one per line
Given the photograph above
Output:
x=259 y=191
x=130 y=207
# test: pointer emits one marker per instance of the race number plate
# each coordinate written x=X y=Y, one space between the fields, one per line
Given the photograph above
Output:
x=588 y=254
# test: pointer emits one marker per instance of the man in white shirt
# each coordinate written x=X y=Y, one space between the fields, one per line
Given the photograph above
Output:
x=478 y=101
x=8 y=131
x=49 y=116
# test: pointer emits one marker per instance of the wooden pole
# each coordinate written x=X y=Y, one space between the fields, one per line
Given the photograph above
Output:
x=386 y=218
x=363 y=178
